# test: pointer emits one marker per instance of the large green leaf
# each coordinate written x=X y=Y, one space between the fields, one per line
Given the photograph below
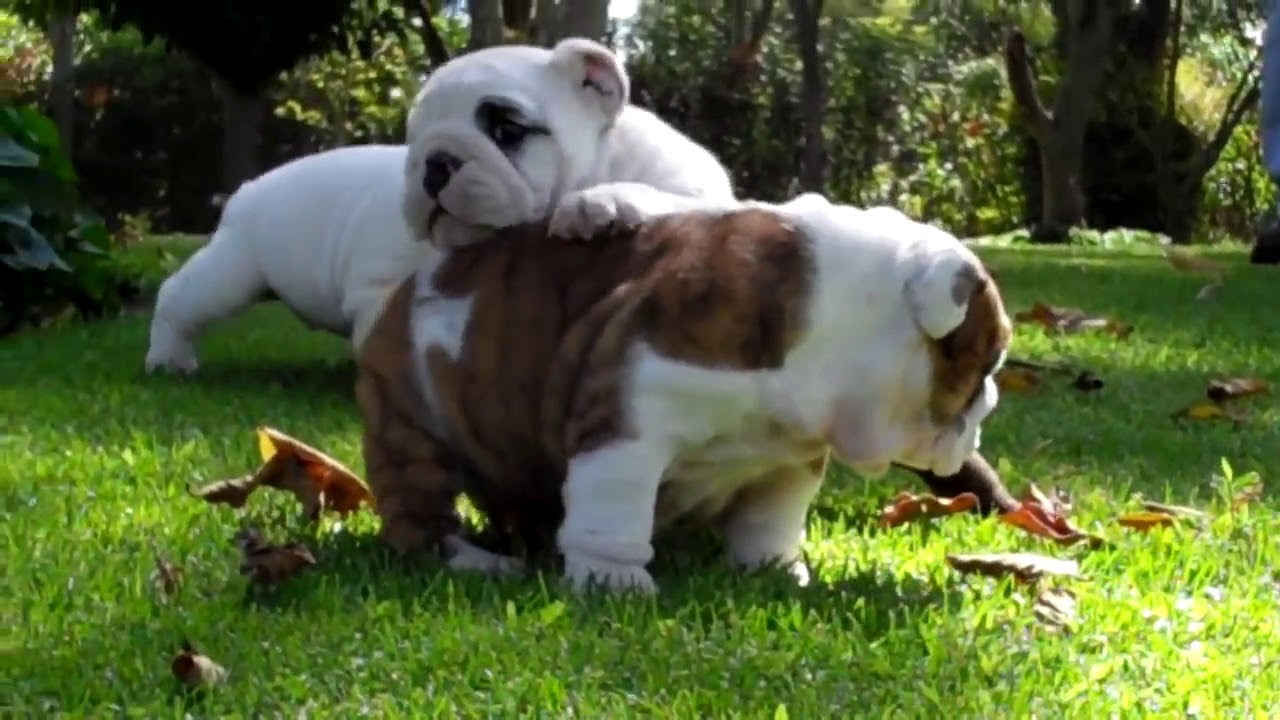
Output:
x=30 y=249
x=12 y=154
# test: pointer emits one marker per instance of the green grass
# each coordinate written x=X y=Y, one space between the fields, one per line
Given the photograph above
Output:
x=97 y=456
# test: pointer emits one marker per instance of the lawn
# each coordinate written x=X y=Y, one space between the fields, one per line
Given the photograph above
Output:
x=1180 y=621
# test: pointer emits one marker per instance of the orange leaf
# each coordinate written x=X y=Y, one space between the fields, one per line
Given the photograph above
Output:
x=269 y=564
x=907 y=507
x=1146 y=520
x=319 y=481
x=1207 y=410
x=1233 y=388
x=1071 y=320
x=1017 y=380
x=1043 y=522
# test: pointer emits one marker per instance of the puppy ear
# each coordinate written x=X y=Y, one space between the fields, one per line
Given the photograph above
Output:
x=596 y=70
x=939 y=291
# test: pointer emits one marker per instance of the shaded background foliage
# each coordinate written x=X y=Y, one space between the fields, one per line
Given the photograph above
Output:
x=915 y=105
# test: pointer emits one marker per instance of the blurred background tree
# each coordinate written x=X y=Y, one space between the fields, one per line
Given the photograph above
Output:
x=1054 y=119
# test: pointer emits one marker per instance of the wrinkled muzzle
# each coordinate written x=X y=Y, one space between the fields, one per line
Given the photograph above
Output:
x=459 y=186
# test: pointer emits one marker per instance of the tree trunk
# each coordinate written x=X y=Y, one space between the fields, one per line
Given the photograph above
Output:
x=813 y=162
x=584 y=18
x=546 y=21
x=62 y=35
x=517 y=16
x=1059 y=134
x=437 y=50
x=486 y=23
x=242 y=118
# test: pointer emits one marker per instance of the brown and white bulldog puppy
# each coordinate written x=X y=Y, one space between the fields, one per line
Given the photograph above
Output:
x=696 y=365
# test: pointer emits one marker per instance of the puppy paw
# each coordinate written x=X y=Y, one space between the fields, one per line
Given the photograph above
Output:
x=583 y=571
x=465 y=556
x=584 y=213
x=799 y=572
x=177 y=356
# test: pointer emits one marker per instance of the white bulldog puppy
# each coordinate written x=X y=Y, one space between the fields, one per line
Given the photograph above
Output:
x=494 y=138
x=322 y=233
x=497 y=137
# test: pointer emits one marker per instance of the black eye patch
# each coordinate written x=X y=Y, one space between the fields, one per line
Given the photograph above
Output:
x=506 y=125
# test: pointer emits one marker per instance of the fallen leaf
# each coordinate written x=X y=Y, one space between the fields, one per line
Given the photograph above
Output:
x=195 y=669
x=268 y=564
x=323 y=483
x=907 y=507
x=1175 y=510
x=1146 y=520
x=166 y=577
x=1087 y=382
x=1017 y=380
x=1234 y=388
x=1186 y=261
x=1071 y=320
x=1025 y=567
x=1044 y=522
x=1057 y=502
x=1250 y=494
x=1055 y=608
x=234 y=492
x=1207 y=410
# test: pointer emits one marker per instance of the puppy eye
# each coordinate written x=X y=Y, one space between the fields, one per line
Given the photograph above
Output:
x=508 y=134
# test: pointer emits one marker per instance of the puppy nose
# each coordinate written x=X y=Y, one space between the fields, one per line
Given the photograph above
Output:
x=440 y=167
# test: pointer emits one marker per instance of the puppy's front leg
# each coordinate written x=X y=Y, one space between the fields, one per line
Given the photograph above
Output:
x=766 y=523
x=609 y=499
x=412 y=485
x=583 y=213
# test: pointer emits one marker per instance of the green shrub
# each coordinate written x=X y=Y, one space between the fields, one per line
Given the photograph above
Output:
x=56 y=253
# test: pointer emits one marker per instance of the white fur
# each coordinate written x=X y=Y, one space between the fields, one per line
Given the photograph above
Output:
x=857 y=383
x=326 y=232
x=589 y=140
x=323 y=232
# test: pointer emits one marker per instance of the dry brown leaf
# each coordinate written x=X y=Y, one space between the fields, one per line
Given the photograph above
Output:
x=1146 y=520
x=907 y=507
x=1186 y=261
x=1046 y=523
x=1017 y=380
x=319 y=481
x=1025 y=567
x=1250 y=494
x=1226 y=389
x=234 y=492
x=1057 y=502
x=1208 y=410
x=195 y=669
x=1087 y=382
x=1175 y=510
x=1071 y=320
x=1055 y=608
x=268 y=564
x=166 y=577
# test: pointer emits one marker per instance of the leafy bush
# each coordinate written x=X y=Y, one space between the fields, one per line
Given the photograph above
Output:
x=55 y=252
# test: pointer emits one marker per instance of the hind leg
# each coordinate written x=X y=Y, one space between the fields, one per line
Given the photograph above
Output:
x=221 y=279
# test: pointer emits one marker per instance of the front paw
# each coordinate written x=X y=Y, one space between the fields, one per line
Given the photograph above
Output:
x=583 y=571
x=583 y=214
x=467 y=557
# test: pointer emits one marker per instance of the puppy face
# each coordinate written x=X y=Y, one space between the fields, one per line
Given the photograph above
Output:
x=496 y=136
x=932 y=333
